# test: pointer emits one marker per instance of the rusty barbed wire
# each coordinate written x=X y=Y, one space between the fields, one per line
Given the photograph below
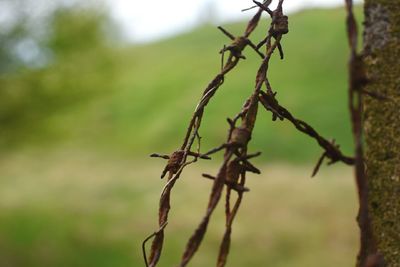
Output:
x=236 y=164
x=357 y=81
x=175 y=168
x=331 y=150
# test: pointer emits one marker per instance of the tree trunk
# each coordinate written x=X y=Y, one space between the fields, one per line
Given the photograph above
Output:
x=382 y=128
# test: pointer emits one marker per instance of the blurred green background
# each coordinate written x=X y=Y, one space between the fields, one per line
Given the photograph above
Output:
x=81 y=110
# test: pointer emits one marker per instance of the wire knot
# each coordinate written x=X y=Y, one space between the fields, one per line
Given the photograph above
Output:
x=280 y=26
x=233 y=172
x=174 y=163
x=237 y=46
x=240 y=136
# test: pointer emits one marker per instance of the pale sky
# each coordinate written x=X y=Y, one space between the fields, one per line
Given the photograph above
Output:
x=147 y=20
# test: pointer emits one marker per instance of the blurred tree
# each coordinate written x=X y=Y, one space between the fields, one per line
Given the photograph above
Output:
x=8 y=40
x=75 y=64
x=382 y=129
x=76 y=31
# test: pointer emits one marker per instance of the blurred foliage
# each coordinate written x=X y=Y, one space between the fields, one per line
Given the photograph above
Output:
x=76 y=32
x=79 y=67
x=8 y=39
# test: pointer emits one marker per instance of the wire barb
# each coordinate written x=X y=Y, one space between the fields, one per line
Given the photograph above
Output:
x=332 y=151
x=236 y=159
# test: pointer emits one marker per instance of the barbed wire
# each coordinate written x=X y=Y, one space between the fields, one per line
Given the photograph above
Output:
x=178 y=159
x=367 y=255
x=236 y=164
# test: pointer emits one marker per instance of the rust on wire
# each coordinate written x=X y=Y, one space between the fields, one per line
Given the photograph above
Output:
x=357 y=81
x=175 y=168
x=147 y=239
x=236 y=163
x=331 y=152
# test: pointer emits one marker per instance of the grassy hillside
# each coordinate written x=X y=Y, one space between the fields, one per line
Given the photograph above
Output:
x=158 y=86
x=139 y=99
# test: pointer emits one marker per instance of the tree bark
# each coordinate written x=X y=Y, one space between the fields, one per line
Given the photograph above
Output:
x=382 y=128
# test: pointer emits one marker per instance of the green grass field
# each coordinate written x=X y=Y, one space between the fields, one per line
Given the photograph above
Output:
x=81 y=191
x=79 y=209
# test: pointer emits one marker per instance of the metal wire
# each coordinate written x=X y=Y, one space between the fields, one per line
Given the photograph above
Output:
x=235 y=165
